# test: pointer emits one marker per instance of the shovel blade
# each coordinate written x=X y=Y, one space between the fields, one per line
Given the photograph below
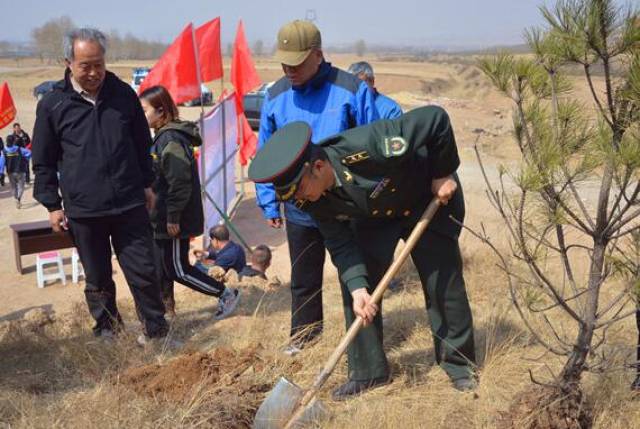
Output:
x=280 y=404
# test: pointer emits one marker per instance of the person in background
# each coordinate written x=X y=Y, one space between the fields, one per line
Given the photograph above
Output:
x=387 y=108
x=222 y=252
x=2 y=165
x=21 y=139
x=15 y=160
x=330 y=100
x=178 y=214
x=260 y=262
x=93 y=173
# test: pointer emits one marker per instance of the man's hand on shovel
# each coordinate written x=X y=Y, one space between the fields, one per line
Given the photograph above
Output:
x=363 y=305
x=444 y=188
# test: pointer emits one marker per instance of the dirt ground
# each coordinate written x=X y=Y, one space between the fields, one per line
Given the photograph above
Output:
x=474 y=108
x=59 y=376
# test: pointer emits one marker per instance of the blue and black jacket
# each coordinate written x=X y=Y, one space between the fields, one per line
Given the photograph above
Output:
x=387 y=107
x=14 y=159
x=331 y=102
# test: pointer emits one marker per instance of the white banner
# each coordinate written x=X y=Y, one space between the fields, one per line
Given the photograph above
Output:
x=219 y=149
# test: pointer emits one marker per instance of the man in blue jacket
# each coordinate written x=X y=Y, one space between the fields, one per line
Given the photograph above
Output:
x=387 y=107
x=330 y=100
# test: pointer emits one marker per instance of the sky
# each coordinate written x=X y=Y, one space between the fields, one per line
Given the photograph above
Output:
x=424 y=23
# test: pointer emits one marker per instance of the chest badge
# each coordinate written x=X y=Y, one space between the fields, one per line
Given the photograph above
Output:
x=394 y=146
x=379 y=188
x=348 y=177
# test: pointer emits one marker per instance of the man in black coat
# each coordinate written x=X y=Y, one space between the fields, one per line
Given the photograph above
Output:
x=93 y=173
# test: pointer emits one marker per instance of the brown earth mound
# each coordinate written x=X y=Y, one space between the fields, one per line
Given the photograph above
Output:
x=548 y=408
x=176 y=378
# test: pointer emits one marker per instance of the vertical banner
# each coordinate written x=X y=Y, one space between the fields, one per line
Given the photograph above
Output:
x=219 y=151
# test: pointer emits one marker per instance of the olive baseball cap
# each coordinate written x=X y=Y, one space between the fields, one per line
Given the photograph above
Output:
x=295 y=41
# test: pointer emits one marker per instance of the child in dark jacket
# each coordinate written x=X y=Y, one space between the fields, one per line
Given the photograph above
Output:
x=15 y=160
x=260 y=262
x=221 y=252
x=178 y=215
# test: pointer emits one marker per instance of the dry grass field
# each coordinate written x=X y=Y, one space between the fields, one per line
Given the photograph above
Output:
x=53 y=373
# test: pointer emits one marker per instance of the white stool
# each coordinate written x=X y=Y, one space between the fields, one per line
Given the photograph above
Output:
x=77 y=269
x=45 y=259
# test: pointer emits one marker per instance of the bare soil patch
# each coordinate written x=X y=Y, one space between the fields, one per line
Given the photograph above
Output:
x=175 y=379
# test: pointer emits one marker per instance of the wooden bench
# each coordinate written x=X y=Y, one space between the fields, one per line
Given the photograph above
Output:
x=36 y=237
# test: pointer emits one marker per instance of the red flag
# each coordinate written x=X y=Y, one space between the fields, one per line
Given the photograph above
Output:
x=209 y=52
x=244 y=78
x=7 y=108
x=176 y=69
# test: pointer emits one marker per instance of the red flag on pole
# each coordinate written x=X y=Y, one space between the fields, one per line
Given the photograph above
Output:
x=244 y=78
x=209 y=51
x=7 y=108
x=176 y=69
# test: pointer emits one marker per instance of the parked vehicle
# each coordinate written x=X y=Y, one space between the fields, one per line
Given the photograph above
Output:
x=40 y=90
x=140 y=73
x=137 y=76
x=207 y=98
x=252 y=103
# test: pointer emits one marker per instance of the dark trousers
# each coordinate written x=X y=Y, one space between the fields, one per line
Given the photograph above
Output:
x=166 y=284
x=307 y=253
x=439 y=264
x=176 y=266
x=16 y=180
x=130 y=235
x=27 y=171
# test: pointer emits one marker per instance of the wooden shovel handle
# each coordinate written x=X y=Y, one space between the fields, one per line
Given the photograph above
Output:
x=355 y=327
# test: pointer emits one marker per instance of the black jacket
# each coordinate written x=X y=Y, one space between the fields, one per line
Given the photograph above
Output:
x=176 y=184
x=101 y=152
x=22 y=140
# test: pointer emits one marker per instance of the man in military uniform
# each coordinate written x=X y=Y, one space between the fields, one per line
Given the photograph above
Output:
x=366 y=188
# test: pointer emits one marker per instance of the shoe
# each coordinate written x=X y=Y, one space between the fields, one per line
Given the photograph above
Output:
x=468 y=384
x=227 y=303
x=355 y=387
x=160 y=342
x=291 y=350
x=18 y=205
x=635 y=386
x=105 y=336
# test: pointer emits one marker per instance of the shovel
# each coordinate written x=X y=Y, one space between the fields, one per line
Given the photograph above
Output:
x=287 y=405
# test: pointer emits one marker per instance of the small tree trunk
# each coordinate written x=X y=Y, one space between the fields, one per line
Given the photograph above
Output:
x=575 y=365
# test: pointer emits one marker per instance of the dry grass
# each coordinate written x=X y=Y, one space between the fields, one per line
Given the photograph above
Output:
x=59 y=376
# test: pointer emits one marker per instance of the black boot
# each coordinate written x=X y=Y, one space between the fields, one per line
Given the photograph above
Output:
x=355 y=387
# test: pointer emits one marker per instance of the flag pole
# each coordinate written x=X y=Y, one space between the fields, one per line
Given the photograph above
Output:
x=200 y=124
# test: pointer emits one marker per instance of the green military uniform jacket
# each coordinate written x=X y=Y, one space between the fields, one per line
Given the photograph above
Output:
x=384 y=170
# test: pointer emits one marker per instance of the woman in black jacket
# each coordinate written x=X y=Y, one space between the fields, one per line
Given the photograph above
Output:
x=177 y=215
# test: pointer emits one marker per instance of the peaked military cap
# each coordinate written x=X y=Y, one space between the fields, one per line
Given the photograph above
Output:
x=283 y=159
